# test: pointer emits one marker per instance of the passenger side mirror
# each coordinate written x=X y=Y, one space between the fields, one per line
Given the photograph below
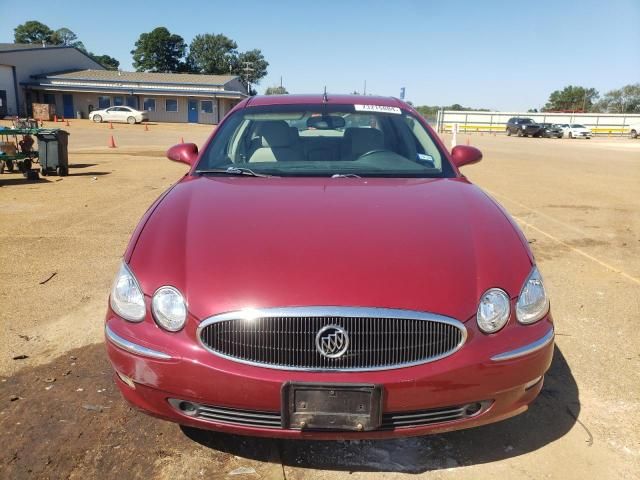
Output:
x=183 y=152
x=465 y=155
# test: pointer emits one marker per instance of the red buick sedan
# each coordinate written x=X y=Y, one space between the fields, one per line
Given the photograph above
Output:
x=325 y=271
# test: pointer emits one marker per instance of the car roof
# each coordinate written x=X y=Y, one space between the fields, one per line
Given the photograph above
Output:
x=298 y=99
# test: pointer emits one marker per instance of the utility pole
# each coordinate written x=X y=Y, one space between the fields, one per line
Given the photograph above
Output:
x=247 y=75
x=364 y=92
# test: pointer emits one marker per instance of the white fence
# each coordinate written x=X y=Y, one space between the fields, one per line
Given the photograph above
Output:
x=475 y=121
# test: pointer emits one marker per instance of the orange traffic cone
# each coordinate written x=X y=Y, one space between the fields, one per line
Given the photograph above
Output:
x=67 y=124
x=468 y=140
x=55 y=118
x=146 y=127
x=112 y=143
x=181 y=139
x=110 y=126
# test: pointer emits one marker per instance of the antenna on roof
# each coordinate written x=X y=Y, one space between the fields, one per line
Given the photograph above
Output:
x=325 y=99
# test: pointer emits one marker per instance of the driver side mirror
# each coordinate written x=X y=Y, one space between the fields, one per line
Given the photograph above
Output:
x=183 y=152
x=465 y=155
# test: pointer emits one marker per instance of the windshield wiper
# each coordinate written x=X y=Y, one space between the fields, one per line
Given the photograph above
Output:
x=345 y=175
x=233 y=171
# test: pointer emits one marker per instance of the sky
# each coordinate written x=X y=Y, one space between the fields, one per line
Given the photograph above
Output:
x=486 y=54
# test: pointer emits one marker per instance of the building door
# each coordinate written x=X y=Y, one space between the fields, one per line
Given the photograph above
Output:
x=3 y=103
x=67 y=105
x=193 y=111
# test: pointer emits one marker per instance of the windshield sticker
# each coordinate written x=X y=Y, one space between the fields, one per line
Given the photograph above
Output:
x=425 y=158
x=377 y=108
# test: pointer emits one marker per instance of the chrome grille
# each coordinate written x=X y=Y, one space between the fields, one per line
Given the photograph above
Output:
x=285 y=338
x=390 y=421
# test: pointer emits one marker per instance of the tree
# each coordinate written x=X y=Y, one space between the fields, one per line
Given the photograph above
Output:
x=254 y=60
x=33 y=32
x=158 y=51
x=64 y=36
x=621 y=100
x=276 y=91
x=571 y=99
x=213 y=54
x=106 y=61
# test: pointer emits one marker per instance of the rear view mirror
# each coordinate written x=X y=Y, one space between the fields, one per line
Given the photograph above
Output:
x=183 y=152
x=465 y=155
x=326 y=122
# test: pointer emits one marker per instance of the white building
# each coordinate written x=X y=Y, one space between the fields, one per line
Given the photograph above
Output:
x=76 y=84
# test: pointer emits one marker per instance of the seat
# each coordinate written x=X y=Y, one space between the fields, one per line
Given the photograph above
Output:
x=357 y=141
x=277 y=145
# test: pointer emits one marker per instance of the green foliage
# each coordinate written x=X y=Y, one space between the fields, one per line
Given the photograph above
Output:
x=158 y=51
x=621 y=100
x=33 y=32
x=255 y=60
x=280 y=90
x=64 y=36
x=571 y=99
x=213 y=54
x=106 y=61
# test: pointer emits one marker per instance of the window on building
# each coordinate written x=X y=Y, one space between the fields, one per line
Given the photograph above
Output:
x=117 y=101
x=206 y=106
x=104 y=102
x=149 y=105
x=49 y=98
x=132 y=102
x=171 y=105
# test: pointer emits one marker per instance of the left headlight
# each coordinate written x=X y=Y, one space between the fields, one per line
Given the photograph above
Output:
x=169 y=308
x=126 y=297
x=533 y=303
x=493 y=310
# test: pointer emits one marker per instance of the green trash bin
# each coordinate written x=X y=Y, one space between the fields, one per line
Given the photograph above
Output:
x=52 y=152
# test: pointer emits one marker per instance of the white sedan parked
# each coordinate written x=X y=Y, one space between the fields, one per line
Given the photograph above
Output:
x=119 y=114
x=575 y=130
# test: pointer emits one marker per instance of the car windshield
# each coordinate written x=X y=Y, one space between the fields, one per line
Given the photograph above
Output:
x=576 y=125
x=324 y=140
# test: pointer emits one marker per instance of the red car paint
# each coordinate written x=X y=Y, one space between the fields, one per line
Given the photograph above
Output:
x=231 y=243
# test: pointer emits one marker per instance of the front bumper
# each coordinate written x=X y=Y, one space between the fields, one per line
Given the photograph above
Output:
x=502 y=376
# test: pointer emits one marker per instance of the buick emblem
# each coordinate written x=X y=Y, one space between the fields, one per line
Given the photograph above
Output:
x=332 y=341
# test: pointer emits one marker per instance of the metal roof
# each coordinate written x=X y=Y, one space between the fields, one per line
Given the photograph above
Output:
x=16 y=47
x=142 y=77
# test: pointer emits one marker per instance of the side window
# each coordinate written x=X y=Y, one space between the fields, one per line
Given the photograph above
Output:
x=206 y=106
x=118 y=101
x=149 y=105
x=171 y=105
x=104 y=102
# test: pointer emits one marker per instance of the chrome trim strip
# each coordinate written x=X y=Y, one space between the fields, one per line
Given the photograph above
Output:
x=133 y=347
x=527 y=349
x=331 y=311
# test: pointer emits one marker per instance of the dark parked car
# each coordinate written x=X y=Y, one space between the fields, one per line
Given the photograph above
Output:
x=523 y=127
x=550 y=130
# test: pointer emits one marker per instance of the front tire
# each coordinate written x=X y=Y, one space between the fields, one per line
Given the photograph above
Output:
x=508 y=132
x=97 y=118
x=634 y=134
x=570 y=135
x=131 y=120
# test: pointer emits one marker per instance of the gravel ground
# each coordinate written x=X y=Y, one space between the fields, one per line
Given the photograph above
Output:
x=61 y=416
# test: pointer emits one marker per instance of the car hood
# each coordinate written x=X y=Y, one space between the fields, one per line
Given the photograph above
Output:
x=423 y=244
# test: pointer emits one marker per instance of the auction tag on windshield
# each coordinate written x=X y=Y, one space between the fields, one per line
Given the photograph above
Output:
x=377 y=108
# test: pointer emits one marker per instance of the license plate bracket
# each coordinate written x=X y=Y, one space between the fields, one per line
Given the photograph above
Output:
x=316 y=406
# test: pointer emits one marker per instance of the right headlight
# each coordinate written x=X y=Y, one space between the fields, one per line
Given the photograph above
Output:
x=533 y=303
x=493 y=310
x=126 y=298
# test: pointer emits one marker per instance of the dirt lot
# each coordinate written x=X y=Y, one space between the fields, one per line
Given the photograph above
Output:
x=577 y=201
